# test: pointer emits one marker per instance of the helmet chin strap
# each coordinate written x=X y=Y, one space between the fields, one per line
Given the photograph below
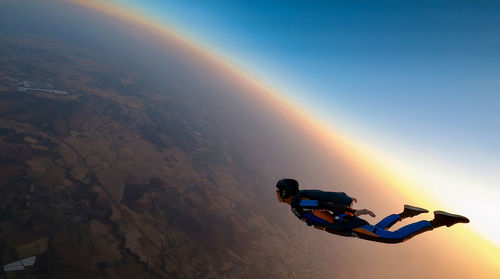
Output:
x=279 y=197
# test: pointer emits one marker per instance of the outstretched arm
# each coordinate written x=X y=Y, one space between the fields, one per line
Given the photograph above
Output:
x=360 y=212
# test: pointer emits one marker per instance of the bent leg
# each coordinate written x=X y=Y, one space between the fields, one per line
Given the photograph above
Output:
x=375 y=233
x=388 y=221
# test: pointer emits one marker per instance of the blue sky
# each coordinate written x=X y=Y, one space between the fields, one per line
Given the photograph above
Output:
x=416 y=80
x=426 y=70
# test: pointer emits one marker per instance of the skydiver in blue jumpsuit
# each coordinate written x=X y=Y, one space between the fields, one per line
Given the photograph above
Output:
x=333 y=212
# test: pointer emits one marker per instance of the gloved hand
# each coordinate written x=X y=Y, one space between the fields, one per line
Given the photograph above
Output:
x=360 y=212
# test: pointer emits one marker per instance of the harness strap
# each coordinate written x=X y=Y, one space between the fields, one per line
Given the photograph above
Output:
x=340 y=217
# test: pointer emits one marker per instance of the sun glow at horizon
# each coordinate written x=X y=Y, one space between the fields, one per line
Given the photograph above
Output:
x=359 y=154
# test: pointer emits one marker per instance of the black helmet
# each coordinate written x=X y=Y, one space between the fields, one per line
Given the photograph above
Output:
x=287 y=187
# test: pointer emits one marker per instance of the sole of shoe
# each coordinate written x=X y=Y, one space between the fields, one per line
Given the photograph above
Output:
x=411 y=207
x=462 y=218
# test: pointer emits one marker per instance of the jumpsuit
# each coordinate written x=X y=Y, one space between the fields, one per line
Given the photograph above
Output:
x=332 y=212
